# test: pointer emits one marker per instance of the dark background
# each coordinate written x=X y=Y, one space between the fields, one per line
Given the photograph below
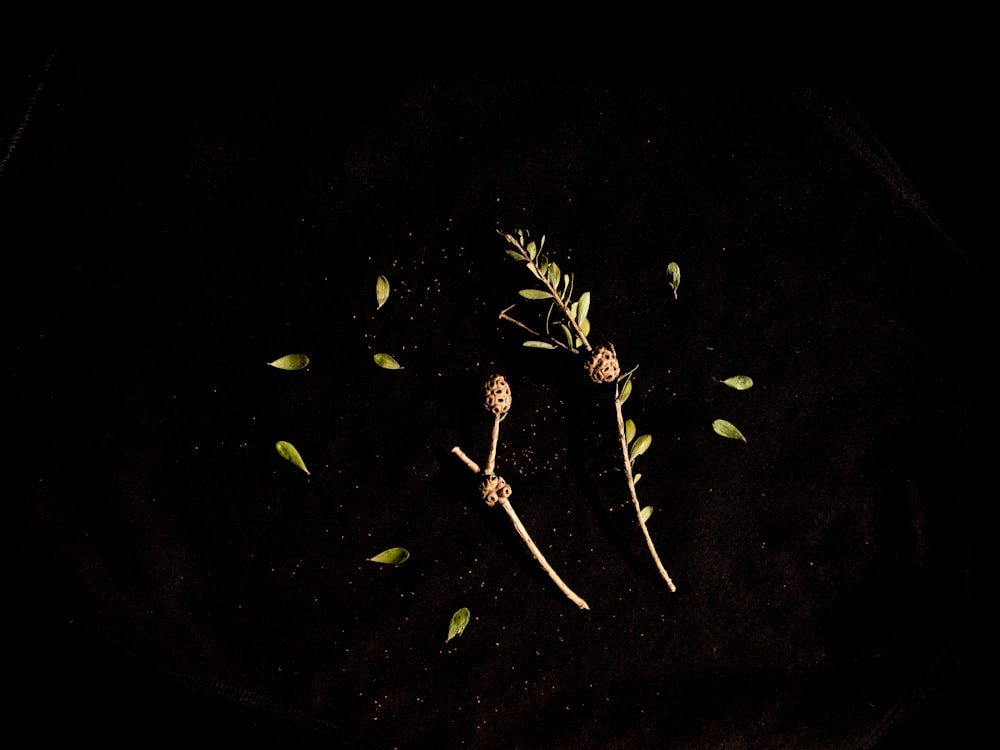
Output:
x=95 y=684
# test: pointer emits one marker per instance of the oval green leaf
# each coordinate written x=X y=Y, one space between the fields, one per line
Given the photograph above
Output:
x=458 y=622
x=640 y=446
x=288 y=452
x=534 y=294
x=391 y=556
x=583 y=307
x=727 y=430
x=381 y=291
x=625 y=392
x=386 y=362
x=674 y=272
x=629 y=430
x=290 y=362
x=739 y=382
x=645 y=513
x=539 y=345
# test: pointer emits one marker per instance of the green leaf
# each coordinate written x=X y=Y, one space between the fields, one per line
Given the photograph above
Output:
x=636 y=477
x=539 y=345
x=739 y=382
x=532 y=249
x=458 y=622
x=646 y=512
x=554 y=274
x=290 y=362
x=583 y=307
x=674 y=272
x=626 y=391
x=288 y=452
x=534 y=294
x=391 y=556
x=381 y=291
x=629 y=430
x=727 y=430
x=640 y=446
x=386 y=362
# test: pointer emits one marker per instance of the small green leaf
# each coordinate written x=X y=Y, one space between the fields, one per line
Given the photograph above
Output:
x=458 y=622
x=640 y=446
x=739 y=382
x=532 y=249
x=629 y=430
x=288 y=452
x=391 y=556
x=534 y=294
x=386 y=362
x=645 y=513
x=381 y=291
x=674 y=272
x=290 y=362
x=636 y=477
x=554 y=274
x=625 y=392
x=583 y=307
x=727 y=430
x=567 y=334
x=539 y=345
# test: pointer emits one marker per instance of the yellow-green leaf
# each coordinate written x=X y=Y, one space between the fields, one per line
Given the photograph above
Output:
x=640 y=446
x=534 y=294
x=539 y=345
x=646 y=512
x=583 y=308
x=626 y=391
x=391 y=556
x=674 y=272
x=290 y=362
x=387 y=362
x=458 y=622
x=381 y=291
x=629 y=430
x=288 y=452
x=727 y=430
x=739 y=382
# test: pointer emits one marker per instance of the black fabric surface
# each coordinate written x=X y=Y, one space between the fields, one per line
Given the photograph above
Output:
x=173 y=228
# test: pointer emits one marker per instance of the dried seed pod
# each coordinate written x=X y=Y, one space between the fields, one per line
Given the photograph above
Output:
x=603 y=366
x=498 y=395
x=494 y=489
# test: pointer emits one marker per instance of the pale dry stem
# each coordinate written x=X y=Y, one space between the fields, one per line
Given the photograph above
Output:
x=635 y=498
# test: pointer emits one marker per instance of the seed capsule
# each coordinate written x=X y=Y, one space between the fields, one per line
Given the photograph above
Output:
x=603 y=366
x=498 y=395
x=494 y=489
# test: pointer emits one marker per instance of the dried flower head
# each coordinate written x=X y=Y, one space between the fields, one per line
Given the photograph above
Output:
x=494 y=489
x=603 y=366
x=498 y=395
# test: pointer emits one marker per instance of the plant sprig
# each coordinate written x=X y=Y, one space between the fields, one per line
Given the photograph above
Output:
x=569 y=332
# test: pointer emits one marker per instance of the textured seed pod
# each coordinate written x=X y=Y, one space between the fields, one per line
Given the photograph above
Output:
x=494 y=489
x=603 y=366
x=498 y=395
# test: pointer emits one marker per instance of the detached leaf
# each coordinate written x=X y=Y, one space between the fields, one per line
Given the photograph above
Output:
x=381 y=290
x=674 y=272
x=290 y=362
x=646 y=512
x=288 y=452
x=386 y=362
x=739 y=382
x=640 y=446
x=391 y=556
x=727 y=430
x=458 y=622
x=534 y=294
x=539 y=345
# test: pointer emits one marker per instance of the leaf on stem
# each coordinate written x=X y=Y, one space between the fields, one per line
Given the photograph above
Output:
x=629 y=430
x=391 y=556
x=381 y=291
x=583 y=308
x=646 y=512
x=640 y=446
x=458 y=622
x=290 y=362
x=534 y=294
x=625 y=392
x=739 y=382
x=386 y=362
x=727 y=430
x=288 y=452
x=539 y=345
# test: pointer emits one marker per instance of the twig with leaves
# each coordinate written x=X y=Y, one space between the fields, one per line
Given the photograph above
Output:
x=495 y=489
x=567 y=326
